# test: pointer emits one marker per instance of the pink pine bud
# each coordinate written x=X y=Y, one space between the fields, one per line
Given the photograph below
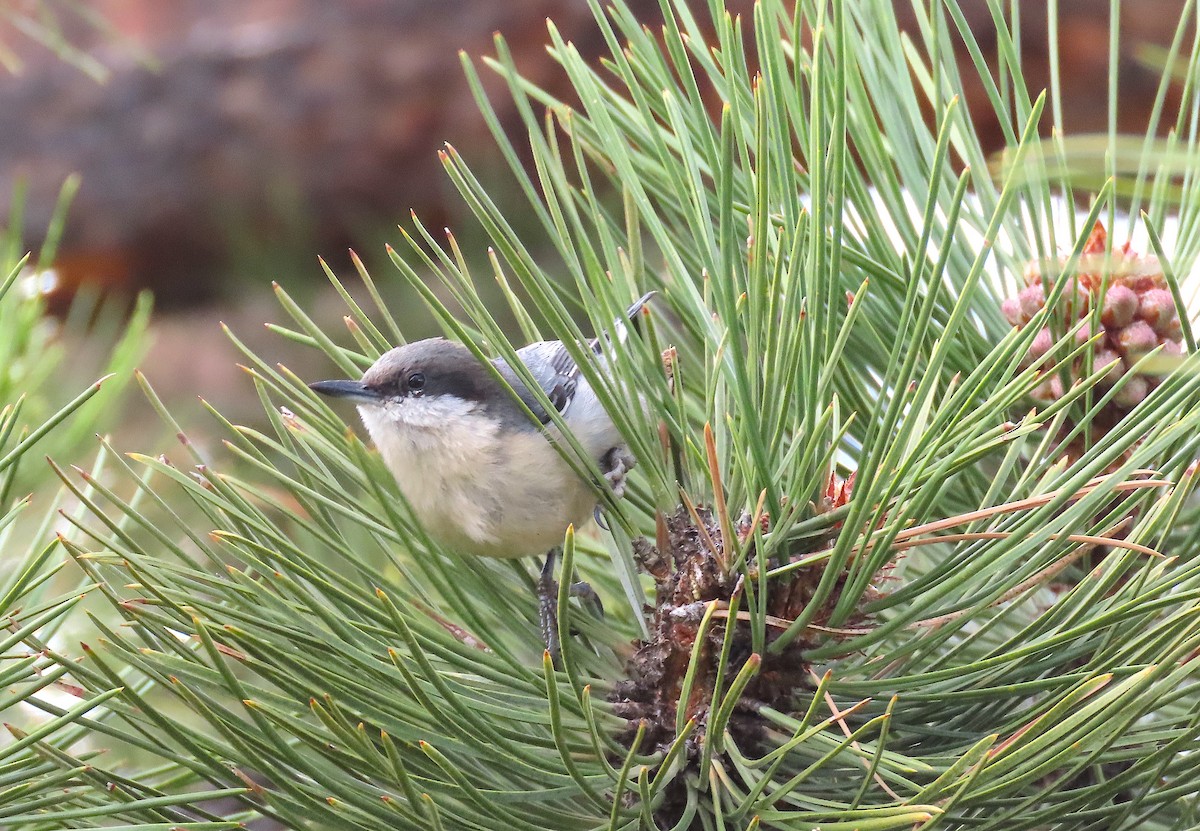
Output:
x=1084 y=334
x=1138 y=338
x=1133 y=393
x=1048 y=391
x=1172 y=348
x=1011 y=309
x=1146 y=280
x=1032 y=299
x=1074 y=300
x=1174 y=330
x=1040 y=346
x=1168 y=323
x=1156 y=308
x=1120 y=305
x=1109 y=358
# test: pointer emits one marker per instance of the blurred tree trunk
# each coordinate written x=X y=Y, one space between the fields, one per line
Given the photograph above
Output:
x=303 y=126
x=277 y=122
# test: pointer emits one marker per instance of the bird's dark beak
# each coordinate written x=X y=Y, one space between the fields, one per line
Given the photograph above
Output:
x=356 y=391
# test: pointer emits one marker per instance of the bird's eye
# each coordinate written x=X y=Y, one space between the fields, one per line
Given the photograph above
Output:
x=416 y=383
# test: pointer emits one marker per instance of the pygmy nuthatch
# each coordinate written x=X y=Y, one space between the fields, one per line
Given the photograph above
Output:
x=480 y=475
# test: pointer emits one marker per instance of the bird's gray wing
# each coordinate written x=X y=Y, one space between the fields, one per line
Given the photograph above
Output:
x=555 y=370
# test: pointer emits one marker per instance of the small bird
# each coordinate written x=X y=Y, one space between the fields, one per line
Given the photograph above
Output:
x=481 y=476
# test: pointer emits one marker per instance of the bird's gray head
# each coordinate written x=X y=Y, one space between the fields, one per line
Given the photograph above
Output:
x=420 y=381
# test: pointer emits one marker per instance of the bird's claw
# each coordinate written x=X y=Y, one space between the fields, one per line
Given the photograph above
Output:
x=616 y=465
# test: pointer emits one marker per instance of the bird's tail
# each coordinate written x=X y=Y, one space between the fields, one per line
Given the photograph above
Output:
x=632 y=311
x=633 y=316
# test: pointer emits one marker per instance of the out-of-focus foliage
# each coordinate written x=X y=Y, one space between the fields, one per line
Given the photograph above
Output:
x=50 y=24
x=48 y=756
x=44 y=359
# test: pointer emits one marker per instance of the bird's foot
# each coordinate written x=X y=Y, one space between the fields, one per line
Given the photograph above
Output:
x=547 y=591
x=616 y=464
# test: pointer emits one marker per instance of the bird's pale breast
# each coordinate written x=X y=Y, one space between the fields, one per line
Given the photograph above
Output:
x=471 y=489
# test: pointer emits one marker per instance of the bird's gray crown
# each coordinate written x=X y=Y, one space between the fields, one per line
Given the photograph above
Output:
x=432 y=367
x=438 y=367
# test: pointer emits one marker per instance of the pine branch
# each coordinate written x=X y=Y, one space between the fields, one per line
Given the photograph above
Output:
x=827 y=375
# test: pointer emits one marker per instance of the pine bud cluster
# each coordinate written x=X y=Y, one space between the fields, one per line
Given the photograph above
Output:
x=1137 y=314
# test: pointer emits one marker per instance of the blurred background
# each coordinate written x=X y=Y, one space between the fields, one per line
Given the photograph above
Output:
x=225 y=144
